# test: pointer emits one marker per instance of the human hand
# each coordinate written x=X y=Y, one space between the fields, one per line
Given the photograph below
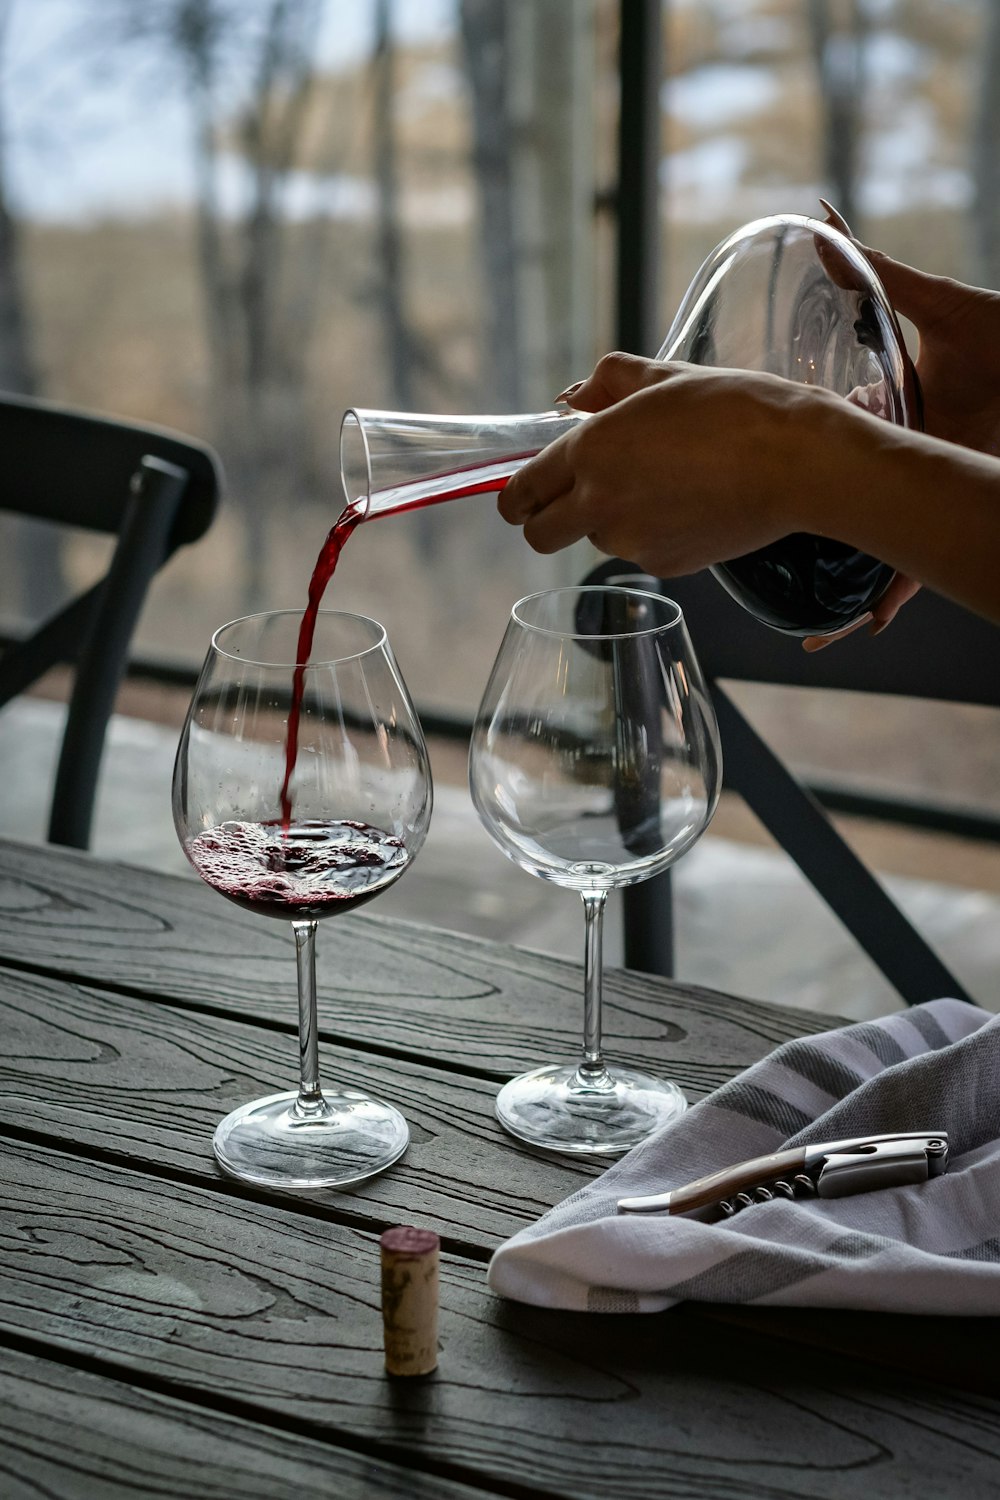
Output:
x=958 y=360
x=899 y=592
x=958 y=364
x=682 y=467
x=614 y=377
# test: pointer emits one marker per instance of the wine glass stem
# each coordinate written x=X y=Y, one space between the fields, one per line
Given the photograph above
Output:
x=593 y=967
x=310 y=1094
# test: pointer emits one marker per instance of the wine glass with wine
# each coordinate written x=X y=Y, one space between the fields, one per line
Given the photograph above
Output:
x=301 y=790
x=594 y=763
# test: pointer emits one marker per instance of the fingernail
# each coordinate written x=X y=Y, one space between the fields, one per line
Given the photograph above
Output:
x=877 y=626
x=838 y=218
x=813 y=644
x=569 y=391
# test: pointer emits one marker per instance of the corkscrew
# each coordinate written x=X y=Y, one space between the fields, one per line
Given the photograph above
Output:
x=832 y=1170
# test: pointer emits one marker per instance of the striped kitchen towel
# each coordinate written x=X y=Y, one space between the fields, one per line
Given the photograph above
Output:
x=927 y=1248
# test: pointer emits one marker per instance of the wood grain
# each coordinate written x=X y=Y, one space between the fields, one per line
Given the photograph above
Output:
x=146 y=1085
x=393 y=986
x=218 y=1299
x=77 y=1435
x=165 y=1317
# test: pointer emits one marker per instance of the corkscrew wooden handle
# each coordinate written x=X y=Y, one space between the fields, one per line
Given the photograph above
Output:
x=709 y=1190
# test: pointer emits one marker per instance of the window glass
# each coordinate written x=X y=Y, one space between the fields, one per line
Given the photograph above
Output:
x=238 y=217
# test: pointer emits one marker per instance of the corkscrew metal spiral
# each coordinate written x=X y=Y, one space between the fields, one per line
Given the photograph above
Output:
x=831 y=1170
x=800 y=1186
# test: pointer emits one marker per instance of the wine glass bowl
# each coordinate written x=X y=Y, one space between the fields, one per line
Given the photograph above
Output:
x=594 y=763
x=303 y=791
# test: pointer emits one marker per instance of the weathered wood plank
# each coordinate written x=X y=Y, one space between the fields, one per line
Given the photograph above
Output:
x=80 y=1436
x=216 y=1295
x=137 y=1082
x=431 y=995
x=148 y=1084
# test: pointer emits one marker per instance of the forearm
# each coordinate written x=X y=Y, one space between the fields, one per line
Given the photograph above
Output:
x=929 y=508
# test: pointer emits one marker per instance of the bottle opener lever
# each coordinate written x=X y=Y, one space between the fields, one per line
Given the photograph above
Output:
x=832 y=1170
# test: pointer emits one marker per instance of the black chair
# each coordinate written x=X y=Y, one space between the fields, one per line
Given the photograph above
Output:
x=155 y=490
x=934 y=649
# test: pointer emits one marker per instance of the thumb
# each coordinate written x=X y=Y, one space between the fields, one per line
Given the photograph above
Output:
x=916 y=295
x=616 y=376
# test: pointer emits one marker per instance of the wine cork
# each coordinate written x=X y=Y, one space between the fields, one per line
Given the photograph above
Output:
x=410 y=1300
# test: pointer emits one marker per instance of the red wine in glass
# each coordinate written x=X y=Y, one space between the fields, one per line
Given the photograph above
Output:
x=361 y=814
x=308 y=870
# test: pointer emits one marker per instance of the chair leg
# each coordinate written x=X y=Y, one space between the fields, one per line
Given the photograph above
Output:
x=803 y=830
x=157 y=491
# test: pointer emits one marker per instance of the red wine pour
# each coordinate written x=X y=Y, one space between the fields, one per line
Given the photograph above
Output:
x=326 y=565
x=406 y=497
x=451 y=484
x=300 y=872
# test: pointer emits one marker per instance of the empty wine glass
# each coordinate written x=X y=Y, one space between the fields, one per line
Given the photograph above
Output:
x=594 y=763
x=301 y=791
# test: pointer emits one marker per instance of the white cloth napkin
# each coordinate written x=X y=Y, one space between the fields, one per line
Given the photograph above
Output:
x=928 y=1248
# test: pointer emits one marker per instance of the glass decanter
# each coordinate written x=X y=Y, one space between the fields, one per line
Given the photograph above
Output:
x=788 y=295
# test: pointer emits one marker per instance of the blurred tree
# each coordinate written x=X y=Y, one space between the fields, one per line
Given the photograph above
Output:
x=400 y=345
x=531 y=74
x=41 y=580
x=258 y=313
x=485 y=28
x=838 y=32
x=17 y=366
x=986 y=150
x=410 y=358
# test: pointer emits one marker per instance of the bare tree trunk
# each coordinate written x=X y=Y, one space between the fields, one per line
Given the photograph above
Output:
x=530 y=70
x=274 y=375
x=550 y=67
x=484 y=26
x=271 y=136
x=257 y=363
x=839 y=54
x=397 y=339
x=41 y=578
x=224 y=342
x=986 y=151
x=17 y=369
x=406 y=353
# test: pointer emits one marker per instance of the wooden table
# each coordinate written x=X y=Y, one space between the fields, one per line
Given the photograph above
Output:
x=167 y=1332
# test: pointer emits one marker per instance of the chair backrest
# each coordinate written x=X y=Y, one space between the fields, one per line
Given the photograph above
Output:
x=934 y=650
x=153 y=489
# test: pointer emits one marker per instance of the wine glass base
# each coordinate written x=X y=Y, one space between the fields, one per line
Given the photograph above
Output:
x=555 y=1109
x=344 y=1139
